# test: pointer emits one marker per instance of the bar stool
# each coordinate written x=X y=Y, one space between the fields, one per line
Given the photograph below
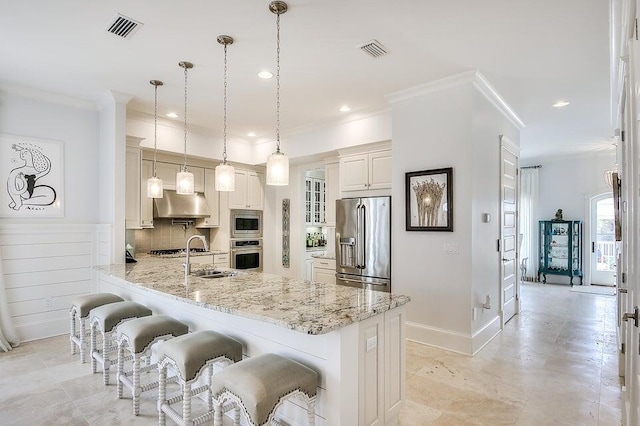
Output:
x=79 y=313
x=192 y=356
x=105 y=319
x=260 y=385
x=137 y=336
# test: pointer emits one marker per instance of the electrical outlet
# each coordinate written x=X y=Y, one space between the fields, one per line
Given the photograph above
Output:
x=48 y=302
x=451 y=249
x=372 y=343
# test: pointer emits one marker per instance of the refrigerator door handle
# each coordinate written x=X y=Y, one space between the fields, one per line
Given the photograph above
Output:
x=363 y=236
x=358 y=230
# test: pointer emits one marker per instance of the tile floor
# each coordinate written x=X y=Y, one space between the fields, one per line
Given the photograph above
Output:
x=555 y=364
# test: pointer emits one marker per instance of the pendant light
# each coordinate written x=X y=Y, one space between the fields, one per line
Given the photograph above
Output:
x=184 y=179
x=278 y=163
x=225 y=173
x=154 y=184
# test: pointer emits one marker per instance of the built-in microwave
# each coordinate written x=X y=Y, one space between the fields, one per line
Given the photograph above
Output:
x=246 y=224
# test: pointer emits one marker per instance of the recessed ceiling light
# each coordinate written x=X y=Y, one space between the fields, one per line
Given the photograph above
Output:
x=172 y=115
x=561 y=104
x=345 y=108
x=265 y=74
x=251 y=135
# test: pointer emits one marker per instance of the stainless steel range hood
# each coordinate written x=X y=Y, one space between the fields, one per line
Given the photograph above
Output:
x=173 y=205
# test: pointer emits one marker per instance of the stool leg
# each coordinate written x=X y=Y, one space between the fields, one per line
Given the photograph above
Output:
x=217 y=415
x=311 y=413
x=162 y=395
x=209 y=391
x=83 y=350
x=72 y=330
x=136 y=384
x=106 y=360
x=236 y=414
x=93 y=348
x=120 y=370
x=186 y=404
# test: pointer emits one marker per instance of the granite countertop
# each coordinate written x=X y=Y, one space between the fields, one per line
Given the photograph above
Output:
x=182 y=255
x=307 y=307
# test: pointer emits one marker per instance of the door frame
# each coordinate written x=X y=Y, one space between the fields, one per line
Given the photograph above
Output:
x=506 y=143
x=588 y=232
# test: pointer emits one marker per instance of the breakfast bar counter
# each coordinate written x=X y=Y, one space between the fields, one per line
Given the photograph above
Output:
x=353 y=338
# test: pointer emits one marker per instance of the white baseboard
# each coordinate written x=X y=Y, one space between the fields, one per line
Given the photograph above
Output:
x=452 y=340
x=42 y=330
x=483 y=336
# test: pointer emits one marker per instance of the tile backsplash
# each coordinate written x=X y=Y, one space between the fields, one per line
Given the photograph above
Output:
x=164 y=235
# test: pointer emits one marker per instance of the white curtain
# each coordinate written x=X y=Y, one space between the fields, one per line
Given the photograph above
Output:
x=528 y=224
x=8 y=336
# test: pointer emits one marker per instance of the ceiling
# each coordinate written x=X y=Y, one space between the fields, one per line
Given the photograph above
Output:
x=533 y=52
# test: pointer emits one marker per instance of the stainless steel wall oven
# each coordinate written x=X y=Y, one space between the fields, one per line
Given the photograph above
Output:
x=246 y=254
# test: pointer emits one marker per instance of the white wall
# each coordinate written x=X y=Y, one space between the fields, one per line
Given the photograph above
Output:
x=47 y=262
x=448 y=124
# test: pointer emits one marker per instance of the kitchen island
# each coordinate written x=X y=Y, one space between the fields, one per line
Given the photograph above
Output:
x=353 y=338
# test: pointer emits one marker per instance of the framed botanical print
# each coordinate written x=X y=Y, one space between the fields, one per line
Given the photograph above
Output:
x=429 y=200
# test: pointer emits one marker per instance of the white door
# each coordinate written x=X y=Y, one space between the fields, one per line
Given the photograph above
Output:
x=603 y=245
x=509 y=229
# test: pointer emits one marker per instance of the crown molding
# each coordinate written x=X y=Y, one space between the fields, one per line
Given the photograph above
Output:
x=474 y=78
x=46 y=96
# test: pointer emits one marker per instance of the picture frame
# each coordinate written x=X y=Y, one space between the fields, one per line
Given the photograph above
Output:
x=33 y=174
x=429 y=200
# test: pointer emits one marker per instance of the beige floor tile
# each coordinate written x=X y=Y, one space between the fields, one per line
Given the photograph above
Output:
x=415 y=414
x=609 y=416
x=64 y=414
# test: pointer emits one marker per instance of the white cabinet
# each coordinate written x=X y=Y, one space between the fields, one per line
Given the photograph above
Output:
x=314 y=201
x=168 y=171
x=249 y=193
x=367 y=171
x=308 y=269
x=332 y=191
x=132 y=188
x=324 y=270
x=146 y=203
x=218 y=260
x=213 y=201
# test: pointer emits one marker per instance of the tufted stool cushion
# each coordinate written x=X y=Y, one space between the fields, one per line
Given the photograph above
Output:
x=261 y=382
x=80 y=308
x=137 y=336
x=105 y=318
x=192 y=356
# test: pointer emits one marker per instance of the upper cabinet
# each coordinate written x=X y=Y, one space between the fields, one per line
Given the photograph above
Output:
x=366 y=171
x=146 y=203
x=213 y=201
x=249 y=193
x=132 y=188
x=315 y=198
x=168 y=171
x=332 y=192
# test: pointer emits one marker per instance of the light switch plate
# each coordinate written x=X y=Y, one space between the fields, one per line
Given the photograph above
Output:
x=451 y=249
x=372 y=343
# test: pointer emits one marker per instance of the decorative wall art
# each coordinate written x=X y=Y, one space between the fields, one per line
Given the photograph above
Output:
x=286 y=215
x=429 y=200
x=34 y=175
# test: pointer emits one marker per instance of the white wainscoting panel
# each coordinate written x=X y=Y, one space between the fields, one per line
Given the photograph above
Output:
x=46 y=266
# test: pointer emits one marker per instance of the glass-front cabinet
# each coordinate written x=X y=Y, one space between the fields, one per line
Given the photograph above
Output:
x=314 y=193
x=560 y=249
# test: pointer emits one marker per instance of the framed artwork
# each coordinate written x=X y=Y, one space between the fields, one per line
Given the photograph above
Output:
x=33 y=172
x=429 y=200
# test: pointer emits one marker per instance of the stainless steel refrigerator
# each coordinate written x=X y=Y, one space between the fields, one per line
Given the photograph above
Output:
x=363 y=242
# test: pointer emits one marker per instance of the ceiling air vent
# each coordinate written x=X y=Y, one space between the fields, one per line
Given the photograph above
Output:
x=374 y=48
x=123 y=26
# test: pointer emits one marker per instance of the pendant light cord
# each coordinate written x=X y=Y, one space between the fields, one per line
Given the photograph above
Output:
x=224 y=125
x=278 y=82
x=155 y=129
x=184 y=167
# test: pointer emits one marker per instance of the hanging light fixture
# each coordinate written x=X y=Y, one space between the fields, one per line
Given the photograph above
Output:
x=608 y=175
x=184 y=179
x=154 y=184
x=225 y=173
x=278 y=163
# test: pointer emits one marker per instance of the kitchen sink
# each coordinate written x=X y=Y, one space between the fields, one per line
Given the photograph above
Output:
x=210 y=273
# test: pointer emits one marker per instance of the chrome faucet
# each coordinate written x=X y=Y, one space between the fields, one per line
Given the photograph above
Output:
x=187 y=264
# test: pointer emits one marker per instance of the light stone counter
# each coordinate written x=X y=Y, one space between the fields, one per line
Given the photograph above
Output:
x=306 y=307
x=324 y=256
